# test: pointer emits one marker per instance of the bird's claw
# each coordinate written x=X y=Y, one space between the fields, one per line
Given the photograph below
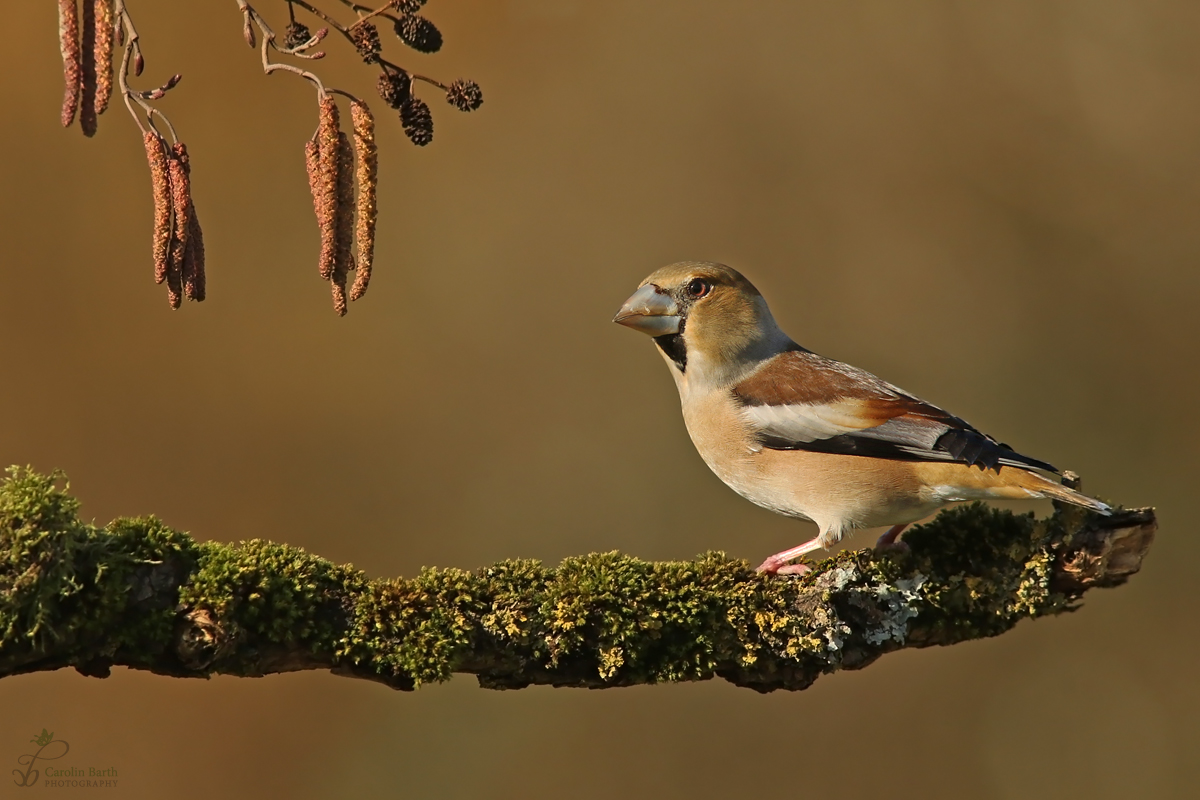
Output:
x=891 y=542
x=778 y=566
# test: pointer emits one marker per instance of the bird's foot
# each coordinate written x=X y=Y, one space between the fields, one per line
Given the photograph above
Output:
x=780 y=566
x=890 y=541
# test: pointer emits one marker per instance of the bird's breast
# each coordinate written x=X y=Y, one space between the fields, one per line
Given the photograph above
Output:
x=726 y=441
x=833 y=490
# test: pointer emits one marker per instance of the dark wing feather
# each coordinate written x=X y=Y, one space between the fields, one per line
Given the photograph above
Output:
x=799 y=400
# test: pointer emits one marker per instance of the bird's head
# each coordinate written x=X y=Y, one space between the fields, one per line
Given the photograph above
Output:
x=704 y=317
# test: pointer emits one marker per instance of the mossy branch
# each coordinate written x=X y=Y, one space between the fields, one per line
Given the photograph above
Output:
x=139 y=594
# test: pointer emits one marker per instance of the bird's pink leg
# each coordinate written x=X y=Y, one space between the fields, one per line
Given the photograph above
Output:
x=889 y=541
x=778 y=563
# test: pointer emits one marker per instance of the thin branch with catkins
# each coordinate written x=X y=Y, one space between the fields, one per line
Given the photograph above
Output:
x=193 y=265
x=105 y=32
x=133 y=61
x=366 y=173
x=343 y=177
x=312 y=164
x=344 y=259
x=333 y=168
x=335 y=202
x=181 y=224
x=177 y=243
x=87 y=59
x=160 y=182
x=68 y=42
x=327 y=183
x=87 y=97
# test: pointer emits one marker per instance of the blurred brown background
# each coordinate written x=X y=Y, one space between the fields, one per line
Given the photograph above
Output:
x=992 y=205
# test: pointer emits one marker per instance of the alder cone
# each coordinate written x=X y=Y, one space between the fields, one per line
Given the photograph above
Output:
x=395 y=88
x=417 y=121
x=419 y=33
x=296 y=35
x=366 y=40
x=464 y=95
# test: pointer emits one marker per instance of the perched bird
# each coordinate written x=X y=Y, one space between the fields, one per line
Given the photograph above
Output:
x=807 y=436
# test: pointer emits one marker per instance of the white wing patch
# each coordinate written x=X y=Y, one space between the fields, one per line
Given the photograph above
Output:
x=803 y=422
x=909 y=432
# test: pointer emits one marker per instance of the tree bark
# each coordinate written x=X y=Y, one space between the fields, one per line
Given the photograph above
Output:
x=138 y=594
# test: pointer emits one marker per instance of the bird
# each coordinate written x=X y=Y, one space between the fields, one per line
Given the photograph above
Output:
x=810 y=437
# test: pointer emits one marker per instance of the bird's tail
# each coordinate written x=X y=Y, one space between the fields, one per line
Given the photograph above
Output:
x=1041 y=486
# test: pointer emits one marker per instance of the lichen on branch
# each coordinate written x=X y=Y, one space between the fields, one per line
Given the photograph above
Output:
x=139 y=594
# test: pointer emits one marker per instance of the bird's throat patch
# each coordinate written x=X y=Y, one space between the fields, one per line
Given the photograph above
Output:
x=672 y=344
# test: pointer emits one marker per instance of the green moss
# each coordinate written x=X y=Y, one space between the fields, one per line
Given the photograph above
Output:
x=152 y=555
x=134 y=592
x=282 y=595
x=64 y=582
x=993 y=566
x=412 y=630
x=44 y=548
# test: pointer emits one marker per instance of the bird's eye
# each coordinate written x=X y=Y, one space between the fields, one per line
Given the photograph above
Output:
x=698 y=287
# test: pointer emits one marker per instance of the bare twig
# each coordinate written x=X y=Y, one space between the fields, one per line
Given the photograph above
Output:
x=132 y=55
x=268 y=43
x=319 y=14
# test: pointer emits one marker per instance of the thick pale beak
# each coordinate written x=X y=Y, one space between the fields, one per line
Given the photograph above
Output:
x=650 y=311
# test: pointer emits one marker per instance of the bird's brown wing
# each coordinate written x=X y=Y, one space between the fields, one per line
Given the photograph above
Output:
x=799 y=400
